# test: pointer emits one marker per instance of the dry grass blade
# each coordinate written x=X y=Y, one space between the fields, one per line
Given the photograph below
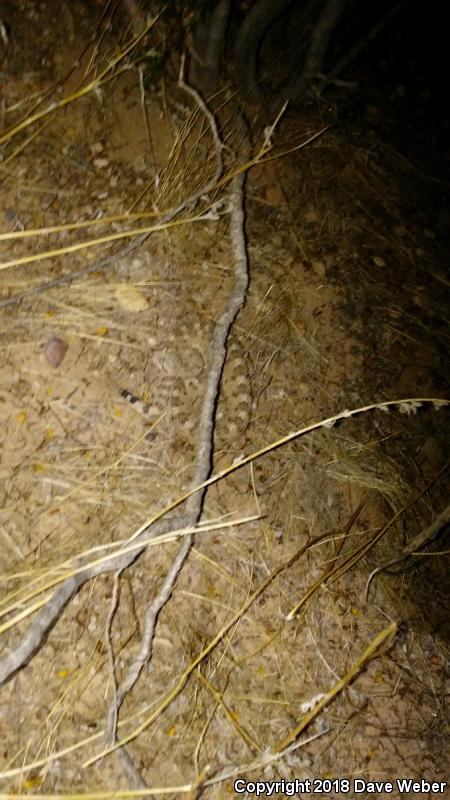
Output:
x=380 y=643
x=112 y=237
x=412 y=548
x=404 y=405
x=183 y=679
x=76 y=226
x=199 y=783
x=230 y=716
x=355 y=555
x=104 y=75
x=115 y=628
x=45 y=762
x=61 y=572
x=53 y=607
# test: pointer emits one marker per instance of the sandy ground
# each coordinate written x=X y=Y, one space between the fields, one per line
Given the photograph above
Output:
x=346 y=308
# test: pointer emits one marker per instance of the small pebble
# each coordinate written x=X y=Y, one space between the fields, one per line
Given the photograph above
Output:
x=96 y=148
x=55 y=350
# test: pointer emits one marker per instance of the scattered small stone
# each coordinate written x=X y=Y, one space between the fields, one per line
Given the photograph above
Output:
x=320 y=269
x=101 y=163
x=131 y=298
x=97 y=148
x=54 y=351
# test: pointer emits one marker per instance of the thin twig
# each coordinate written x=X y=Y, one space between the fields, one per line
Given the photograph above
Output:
x=422 y=538
x=34 y=637
x=145 y=116
x=205 y=443
x=108 y=633
x=123 y=252
x=161 y=524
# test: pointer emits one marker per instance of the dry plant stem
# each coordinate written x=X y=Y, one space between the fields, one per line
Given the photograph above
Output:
x=136 y=15
x=39 y=628
x=377 y=647
x=205 y=444
x=207 y=113
x=108 y=632
x=35 y=636
x=362 y=43
x=318 y=45
x=36 y=633
x=411 y=548
x=229 y=715
x=329 y=568
x=358 y=553
x=175 y=691
x=127 y=250
x=199 y=784
x=81 y=92
x=97 y=266
x=428 y=533
x=203 y=462
x=148 y=132
x=135 y=777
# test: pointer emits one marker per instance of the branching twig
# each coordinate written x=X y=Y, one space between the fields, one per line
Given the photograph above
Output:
x=318 y=45
x=360 y=45
x=203 y=462
x=108 y=633
x=95 y=83
x=47 y=616
x=34 y=637
x=135 y=777
x=422 y=538
x=128 y=249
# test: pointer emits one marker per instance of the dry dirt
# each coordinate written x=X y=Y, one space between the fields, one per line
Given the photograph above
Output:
x=346 y=308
